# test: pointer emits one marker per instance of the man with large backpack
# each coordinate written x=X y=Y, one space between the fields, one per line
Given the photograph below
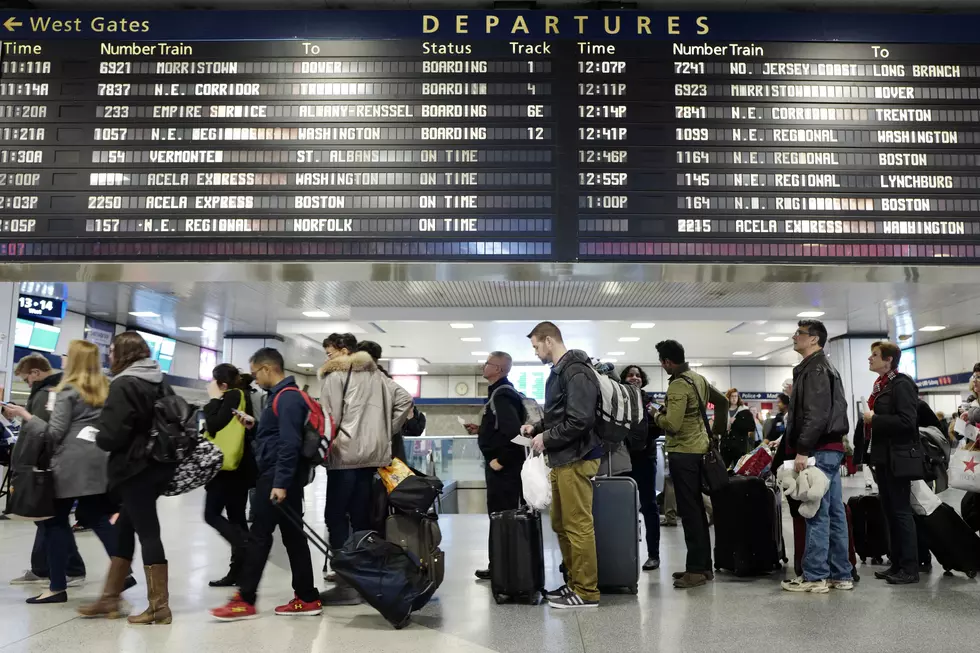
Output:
x=567 y=436
x=283 y=473
x=502 y=419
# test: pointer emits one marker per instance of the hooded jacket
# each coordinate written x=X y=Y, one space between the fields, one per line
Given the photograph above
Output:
x=37 y=401
x=127 y=417
x=367 y=414
x=571 y=395
x=80 y=467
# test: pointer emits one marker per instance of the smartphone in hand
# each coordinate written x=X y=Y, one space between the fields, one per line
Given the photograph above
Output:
x=244 y=418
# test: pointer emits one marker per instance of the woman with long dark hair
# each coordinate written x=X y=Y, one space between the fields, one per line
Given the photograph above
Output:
x=644 y=462
x=136 y=478
x=79 y=465
x=228 y=491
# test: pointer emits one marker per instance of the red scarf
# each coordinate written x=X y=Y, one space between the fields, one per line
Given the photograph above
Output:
x=880 y=384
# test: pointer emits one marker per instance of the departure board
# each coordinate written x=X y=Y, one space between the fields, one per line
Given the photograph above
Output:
x=510 y=136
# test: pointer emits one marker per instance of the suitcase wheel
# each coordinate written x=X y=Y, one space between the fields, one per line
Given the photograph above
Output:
x=404 y=622
x=500 y=599
x=947 y=573
x=877 y=561
x=717 y=567
x=634 y=590
x=864 y=561
x=971 y=574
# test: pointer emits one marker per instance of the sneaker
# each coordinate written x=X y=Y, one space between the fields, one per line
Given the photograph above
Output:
x=571 y=601
x=651 y=564
x=843 y=585
x=300 y=608
x=76 y=581
x=559 y=593
x=235 y=610
x=802 y=585
x=341 y=594
x=29 y=578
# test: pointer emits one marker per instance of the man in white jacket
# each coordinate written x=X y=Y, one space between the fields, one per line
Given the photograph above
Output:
x=367 y=408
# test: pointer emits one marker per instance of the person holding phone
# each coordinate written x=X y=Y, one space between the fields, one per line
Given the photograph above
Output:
x=228 y=417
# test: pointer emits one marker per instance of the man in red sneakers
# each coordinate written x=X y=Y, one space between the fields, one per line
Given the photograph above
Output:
x=282 y=476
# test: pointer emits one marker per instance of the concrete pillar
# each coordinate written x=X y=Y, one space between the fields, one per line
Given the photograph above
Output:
x=850 y=356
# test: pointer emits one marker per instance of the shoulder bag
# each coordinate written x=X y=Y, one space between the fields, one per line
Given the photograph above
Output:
x=714 y=472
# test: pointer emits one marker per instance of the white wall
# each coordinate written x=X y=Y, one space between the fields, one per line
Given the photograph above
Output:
x=72 y=328
x=953 y=356
x=187 y=361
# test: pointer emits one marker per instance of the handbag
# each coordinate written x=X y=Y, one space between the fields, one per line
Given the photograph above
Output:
x=714 y=471
x=196 y=469
x=31 y=494
x=907 y=462
x=964 y=469
x=231 y=440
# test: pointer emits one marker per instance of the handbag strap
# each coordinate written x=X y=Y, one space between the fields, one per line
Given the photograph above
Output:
x=701 y=407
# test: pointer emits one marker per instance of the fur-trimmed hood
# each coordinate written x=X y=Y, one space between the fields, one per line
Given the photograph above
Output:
x=359 y=361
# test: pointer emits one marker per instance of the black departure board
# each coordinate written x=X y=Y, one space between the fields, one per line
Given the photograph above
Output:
x=522 y=136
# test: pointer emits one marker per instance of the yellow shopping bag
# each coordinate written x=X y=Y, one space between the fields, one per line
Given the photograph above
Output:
x=394 y=474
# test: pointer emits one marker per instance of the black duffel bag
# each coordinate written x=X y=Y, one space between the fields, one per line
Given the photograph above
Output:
x=31 y=494
x=387 y=576
x=415 y=494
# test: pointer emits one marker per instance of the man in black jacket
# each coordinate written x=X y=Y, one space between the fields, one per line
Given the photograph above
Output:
x=815 y=427
x=502 y=419
x=36 y=372
x=567 y=437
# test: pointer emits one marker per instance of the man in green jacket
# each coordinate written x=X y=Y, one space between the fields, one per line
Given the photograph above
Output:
x=687 y=441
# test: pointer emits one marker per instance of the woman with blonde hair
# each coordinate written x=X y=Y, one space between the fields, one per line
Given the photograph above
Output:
x=80 y=467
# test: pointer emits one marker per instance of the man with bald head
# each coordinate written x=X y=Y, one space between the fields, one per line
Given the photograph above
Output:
x=503 y=416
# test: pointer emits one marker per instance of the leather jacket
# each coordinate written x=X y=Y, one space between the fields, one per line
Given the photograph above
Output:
x=817 y=414
x=571 y=396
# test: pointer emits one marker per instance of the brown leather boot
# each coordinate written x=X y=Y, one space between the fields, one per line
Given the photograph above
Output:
x=158 y=595
x=108 y=605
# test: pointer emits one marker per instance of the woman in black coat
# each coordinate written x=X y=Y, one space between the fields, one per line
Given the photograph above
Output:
x=136 y=479
x=644 y=463
x=892 y=418
x=228 y=490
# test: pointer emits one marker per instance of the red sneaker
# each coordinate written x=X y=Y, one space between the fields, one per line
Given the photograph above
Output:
x=300 y=608
x=235 y=610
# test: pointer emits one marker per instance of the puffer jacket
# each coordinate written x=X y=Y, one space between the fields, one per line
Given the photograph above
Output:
x=817 y=414
x=571 y=395
x=367 y=414
x=80 y=467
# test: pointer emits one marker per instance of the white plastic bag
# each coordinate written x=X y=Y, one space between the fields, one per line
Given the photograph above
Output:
x=964 y=469
x=924 y=500
x=535 y=475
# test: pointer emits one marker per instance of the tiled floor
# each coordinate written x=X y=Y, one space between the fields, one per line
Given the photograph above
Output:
x=729 y=615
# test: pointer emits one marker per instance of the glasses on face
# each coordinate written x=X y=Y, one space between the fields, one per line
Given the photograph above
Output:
x=489 y=364
x=802 y=332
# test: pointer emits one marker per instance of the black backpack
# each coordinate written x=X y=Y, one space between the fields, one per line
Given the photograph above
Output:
x=174 y=432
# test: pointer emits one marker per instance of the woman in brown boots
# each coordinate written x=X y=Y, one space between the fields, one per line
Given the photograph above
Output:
x=136 y=479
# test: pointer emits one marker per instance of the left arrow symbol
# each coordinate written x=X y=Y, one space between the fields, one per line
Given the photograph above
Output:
x=11 y=23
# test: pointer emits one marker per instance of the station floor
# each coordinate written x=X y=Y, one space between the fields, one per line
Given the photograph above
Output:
x=728 y=615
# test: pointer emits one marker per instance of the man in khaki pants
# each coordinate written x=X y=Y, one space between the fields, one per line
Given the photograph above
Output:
x=568 y=439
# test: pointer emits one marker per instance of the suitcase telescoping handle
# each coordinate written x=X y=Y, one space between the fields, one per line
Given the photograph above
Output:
x=307 y=530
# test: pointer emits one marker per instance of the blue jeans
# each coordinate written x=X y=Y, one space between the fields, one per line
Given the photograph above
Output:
x=826 y=533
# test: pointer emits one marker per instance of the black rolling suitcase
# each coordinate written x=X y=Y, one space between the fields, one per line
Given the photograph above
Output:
x=616 y=514
x=748 y=527
x=952 y=541
x=516 y=556
x=871 y=540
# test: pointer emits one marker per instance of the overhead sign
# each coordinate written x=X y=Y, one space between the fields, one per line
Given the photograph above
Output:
x=939 y=381
x=30 y=308
x=481 y=135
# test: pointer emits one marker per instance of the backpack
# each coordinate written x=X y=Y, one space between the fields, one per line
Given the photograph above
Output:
x=318 y=428
x=175 y=431
x=619 y=408
x=533 y=413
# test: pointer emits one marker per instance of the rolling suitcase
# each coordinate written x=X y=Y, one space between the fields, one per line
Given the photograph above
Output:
x=616 y=514
x=516 y=556
x=748 y=527
x=422 y=537
x=871 y=539
x=955 y=545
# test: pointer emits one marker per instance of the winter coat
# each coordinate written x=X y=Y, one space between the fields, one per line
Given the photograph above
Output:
x=37 y=402
x=817 y=416
x=743 y=426
x=571 y=395
x=80 y=467
x=127 y=417
x=501 y=422
x=371 y=410
x=279 y=435
x=895 y=420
